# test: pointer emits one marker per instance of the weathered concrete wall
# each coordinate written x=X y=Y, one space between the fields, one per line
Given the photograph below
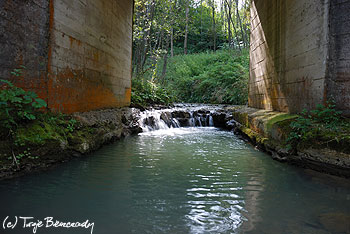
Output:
x=90 y=66
x=338 y=82
x=289 y=42
x=24 y=37
x=77 y=53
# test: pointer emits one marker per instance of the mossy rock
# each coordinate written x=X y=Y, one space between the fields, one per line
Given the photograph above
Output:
x=37 y=133
x=278 y=127
x=255 y=137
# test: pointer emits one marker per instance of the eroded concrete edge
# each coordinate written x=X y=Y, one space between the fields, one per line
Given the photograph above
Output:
x=268 y=130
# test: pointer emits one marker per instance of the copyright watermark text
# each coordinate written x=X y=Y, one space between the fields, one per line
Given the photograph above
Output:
x=48 y=222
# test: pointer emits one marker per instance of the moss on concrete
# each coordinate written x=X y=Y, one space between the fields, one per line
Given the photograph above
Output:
x=323 y=149
x=255 y=137
x=281 y=120
x=241 y=117
x=278 y=126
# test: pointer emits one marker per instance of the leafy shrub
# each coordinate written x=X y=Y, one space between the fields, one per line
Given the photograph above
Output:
x=148 y=93
x=17 y=105
x=317 y=123
x=327 y=115
x=220 y=77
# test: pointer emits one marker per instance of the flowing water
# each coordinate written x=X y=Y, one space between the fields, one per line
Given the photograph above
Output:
x=177 y=180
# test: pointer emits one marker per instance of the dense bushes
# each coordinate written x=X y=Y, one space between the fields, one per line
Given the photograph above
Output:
x=220 y=77
x=146 y=92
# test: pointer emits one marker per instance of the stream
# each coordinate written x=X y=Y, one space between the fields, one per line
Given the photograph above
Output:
x=173 y=179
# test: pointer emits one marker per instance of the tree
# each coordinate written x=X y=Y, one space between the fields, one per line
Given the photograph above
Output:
x=186 y=30
x=212 y=5
x=163 y=27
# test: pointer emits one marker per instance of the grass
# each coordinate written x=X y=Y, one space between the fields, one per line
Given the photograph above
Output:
x=217 y=78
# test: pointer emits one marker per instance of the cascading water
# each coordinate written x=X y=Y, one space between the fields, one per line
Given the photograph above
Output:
x=194 y=116
x=211 y=121
x=151 y=120
x=192 y=122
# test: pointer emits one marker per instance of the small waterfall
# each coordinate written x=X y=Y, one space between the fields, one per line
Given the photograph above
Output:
x=198 y=121
x=192 y=122
x=175 y=123
x=151 y=120
x=211 y=121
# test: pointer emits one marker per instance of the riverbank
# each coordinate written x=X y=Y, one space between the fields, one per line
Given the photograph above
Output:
x=178 y=176
x=269 y=131
x=45 y=145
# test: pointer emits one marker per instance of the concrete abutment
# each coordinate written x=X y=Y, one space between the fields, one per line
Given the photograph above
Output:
x=77 y=54
x=299 y=54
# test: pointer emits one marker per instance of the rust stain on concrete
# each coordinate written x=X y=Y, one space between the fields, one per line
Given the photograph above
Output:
x=75 y=71
x=70 y=92
x=73 y=40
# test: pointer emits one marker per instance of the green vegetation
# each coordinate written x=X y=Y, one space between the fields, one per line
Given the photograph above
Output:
x=17 y=108
x=41 y=136
x=323 y=126
x=23 y=123
x=17 y=105
x=175 y=27
x=217 y=78
x=145 y=92
x=190 y=51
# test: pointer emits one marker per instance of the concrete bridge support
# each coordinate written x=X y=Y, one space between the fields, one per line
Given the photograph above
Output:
x=300 y=54
x=77 y=54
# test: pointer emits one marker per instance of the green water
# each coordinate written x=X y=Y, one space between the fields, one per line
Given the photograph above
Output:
x=187 y=180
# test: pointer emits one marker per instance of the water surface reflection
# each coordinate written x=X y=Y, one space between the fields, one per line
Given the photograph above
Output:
x=186 y=180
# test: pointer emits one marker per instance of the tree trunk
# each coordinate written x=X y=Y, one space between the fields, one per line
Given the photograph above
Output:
x=240 y=24
x=145 y=41
x=165 y=60
x=228 y=26
x=172 y=42
x=186 y=30
x=233 y=24
x=201 y=18
x=214 y=26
